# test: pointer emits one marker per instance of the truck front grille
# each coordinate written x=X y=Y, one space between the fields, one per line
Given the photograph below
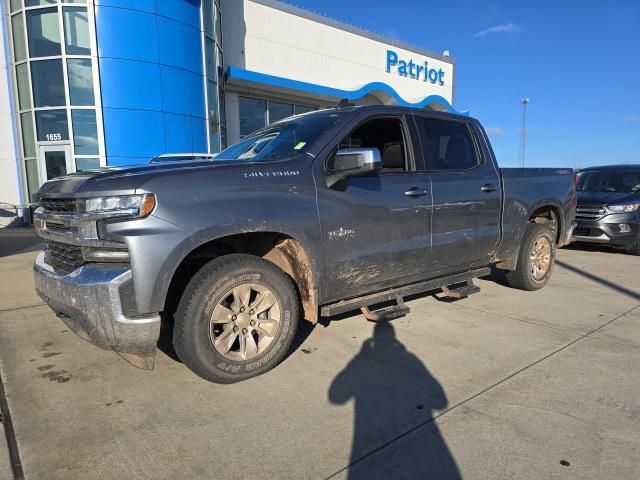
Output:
x=589 y=212
x=59 y=205
x=63 y=257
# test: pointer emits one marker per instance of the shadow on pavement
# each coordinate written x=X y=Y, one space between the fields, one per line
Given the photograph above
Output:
x=389 y=385
x=602 y=281
x=18 y=240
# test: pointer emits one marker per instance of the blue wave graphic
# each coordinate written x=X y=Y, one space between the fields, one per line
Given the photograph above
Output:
x=249 y=76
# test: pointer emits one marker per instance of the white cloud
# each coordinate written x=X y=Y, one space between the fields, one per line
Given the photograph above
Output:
x=633 y=118
x=494 y=131
x=503 y=28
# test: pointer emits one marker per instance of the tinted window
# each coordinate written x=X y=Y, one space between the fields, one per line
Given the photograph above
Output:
x=384 y=134
x=52 y=125
x=85 y=132
x=76 y=31
x=44 y=32
x=446 y=145
x=279 y=111
x=284 y=140
x=621 y=181
x=48 y=83
x=80 y=82
x=253 y=115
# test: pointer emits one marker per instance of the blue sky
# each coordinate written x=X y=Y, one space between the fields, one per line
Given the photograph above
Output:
x=577 y=61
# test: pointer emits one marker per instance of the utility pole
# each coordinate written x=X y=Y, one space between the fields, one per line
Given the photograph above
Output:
x=523 y=132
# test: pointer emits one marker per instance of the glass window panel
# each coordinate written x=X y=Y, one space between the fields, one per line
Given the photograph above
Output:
x=52 y=125
x=76 y=31
x=56 y=163
x=278 y=111
x=87 y=163
x=212 y=99
x=43 y=32
x=85 y=132
x=28 y=138
x=210 y=58
x=218 y=26
x=80 y=82
x=208 y=17
x=24 y=92
x=48 y=83
x=303 y=109
x=223 y=113
x=214 y=137
x=19 y=47
x=33 y=180
x=16 y=5
x=219 y=65
x=253 y=115
x=35 y=3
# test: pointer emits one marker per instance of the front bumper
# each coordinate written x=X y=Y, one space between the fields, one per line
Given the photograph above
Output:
x=90 y=302
x=606 y=230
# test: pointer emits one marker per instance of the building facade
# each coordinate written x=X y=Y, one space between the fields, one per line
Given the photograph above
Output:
x=95 y=83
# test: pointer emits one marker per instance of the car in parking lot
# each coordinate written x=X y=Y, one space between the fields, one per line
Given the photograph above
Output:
x=315 y=215
x=608 y=211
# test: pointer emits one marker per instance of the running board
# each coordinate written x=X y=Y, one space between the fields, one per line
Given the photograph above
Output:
x=391 y=294
x=387 y=313
x=461 y=290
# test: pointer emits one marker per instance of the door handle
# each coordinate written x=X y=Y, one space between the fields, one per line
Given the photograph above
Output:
x=416 y=192
x=488 y=188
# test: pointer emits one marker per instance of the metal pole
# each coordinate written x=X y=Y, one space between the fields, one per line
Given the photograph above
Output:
x=523 y=132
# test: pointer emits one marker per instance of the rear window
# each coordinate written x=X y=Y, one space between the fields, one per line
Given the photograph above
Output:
x=620 y=181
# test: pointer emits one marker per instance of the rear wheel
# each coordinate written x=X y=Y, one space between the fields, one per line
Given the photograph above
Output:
x=535 y=259
x=236 y=319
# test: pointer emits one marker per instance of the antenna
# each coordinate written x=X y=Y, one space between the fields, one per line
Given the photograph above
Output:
x=523 y=132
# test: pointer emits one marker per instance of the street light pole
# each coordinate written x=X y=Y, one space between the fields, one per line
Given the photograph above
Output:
x=523 y=132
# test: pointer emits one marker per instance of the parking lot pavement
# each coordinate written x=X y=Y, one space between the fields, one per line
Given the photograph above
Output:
x=502 y=384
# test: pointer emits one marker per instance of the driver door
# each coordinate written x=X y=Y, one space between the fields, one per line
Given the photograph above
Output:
x=376 y=228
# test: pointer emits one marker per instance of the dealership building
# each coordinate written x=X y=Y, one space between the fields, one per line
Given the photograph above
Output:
x=94 y=83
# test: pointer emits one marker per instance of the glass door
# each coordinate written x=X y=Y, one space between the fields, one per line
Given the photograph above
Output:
x=54 y=161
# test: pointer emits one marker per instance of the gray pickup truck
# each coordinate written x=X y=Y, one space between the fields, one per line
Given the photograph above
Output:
x=313 y=216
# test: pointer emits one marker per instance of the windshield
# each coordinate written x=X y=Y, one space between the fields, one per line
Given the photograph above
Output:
x=621 y=181
x=282 y=140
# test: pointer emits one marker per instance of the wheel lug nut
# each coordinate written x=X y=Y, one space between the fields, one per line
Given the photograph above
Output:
x=235 y=329
x=250 y=312
x=244 y=331
x=234 y=317
x=241 y=309
x=253 y=323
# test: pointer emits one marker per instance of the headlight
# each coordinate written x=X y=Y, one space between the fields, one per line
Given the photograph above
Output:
x=138 y=206
x=632 y=207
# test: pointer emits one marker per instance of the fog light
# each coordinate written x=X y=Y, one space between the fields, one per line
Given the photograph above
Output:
x=624 y=228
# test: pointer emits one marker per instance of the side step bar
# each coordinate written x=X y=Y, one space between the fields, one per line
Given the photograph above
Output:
x=344 y=306
x=461 y=290
x=388 y=313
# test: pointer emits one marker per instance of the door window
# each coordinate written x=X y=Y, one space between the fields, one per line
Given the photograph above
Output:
x=446 y=145
x=55 y=164
x=387 y=136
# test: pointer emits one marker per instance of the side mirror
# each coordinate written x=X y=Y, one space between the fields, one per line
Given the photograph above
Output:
x=352 y=162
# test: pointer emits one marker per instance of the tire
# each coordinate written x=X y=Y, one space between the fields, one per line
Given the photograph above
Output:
x=526 y=276
x=216 y=292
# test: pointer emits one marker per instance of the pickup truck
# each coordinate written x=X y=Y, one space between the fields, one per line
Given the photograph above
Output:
x=313 y=216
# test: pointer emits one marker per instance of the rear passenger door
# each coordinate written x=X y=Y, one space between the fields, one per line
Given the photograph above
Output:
x=465 y=223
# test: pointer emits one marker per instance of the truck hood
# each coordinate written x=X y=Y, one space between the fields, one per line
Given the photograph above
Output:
x=125 y=180
x=607 y=198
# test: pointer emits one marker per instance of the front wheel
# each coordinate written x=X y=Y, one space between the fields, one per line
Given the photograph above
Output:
x=236 y=319
x=536 y=258
x=634 y=249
